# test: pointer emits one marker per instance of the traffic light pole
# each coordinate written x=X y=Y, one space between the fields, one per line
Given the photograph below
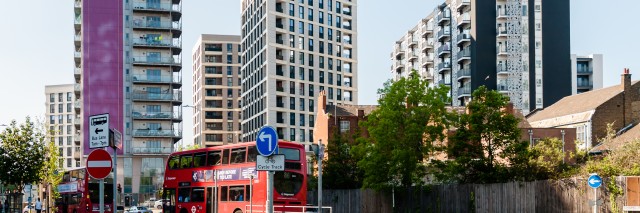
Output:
x=115 y=179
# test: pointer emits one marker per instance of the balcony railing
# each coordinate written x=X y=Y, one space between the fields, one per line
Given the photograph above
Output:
x=443 y=34
x=585 y=84
x=502 y=87
x=166 y=25
x=443 y=49
x=156 y=6
x=78 y=104
x=464 y=73
x=501 y=31
x=502 y=69
x=77 y=53
x=443 y=66
x=463 y=37
x=150 y=150
x=157 y=115
x=443 y=17
x=156 y=133
x=77 y=37
x=464 y=54
x=77 y=71
x=464 y=91
x=156 y=43
x=585 y=70
x=77 y=88
x=156 y=79
x=156 y=60
x=464 y=19
x=175 y=96
x=77 y=4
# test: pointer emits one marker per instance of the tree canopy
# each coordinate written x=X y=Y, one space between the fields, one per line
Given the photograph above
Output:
x=22 y=154
x=340 y=169
x=409 y=119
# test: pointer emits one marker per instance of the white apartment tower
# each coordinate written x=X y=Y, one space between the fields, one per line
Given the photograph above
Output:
x=216 y=90
x=63 y=124
x=586 y=73
x=292 y=50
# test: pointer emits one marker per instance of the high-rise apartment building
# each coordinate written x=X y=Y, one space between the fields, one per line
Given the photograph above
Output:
x=586 y=73
x=517 y=47
x=63 y=125
x=292 y=50
x=128 y=64
x=216 y=90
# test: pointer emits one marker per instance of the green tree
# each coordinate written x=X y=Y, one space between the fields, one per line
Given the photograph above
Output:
x=409 y=119
x=188 y=147
x=484 y=143
x=340 y=169
x=51 y=174
x=546 y=160
x=22 y=154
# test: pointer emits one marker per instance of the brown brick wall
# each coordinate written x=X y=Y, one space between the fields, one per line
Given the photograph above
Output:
x=612 y=112
x=541 y=133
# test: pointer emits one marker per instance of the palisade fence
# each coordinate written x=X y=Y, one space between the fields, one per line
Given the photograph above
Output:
x=566 y=195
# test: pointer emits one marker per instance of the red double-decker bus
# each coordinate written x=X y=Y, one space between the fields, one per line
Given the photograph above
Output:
x=218 y=179
x=79 y=193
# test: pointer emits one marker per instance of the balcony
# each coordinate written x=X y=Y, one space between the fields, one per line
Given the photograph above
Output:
x=151 y=150
x=427 y=59
x=149 y=60
x=502 y=87
x=464 y=55
x=155 y=43
x=156 y=79
x=157 y=25
x=426 y=31
x=462 y=4
x=143 y=96
x=413 y=42
x=413 y=56
x=77 y=73
x=502 y=70
x=77 y=105
x=463 y=38
x=346 y=11
x=77 y=38
x=77 y=4
x=399 y=65
x=443 y=34
x=464 y=91
x=76 y=138
x=76 y=155
x=464 y=20
x=157 y=133
x=443 y=82
x=443 y=18
x=585 y=71
x=501 y=50
x=584 y=84
x=398 y=51
x=501 y=32
x=166 y=115
x=444 y=49
x=444 y=67
x=77 y=88
x=77 y=22
x=152 y=7
x=464 y=74
x=279 y=8
x=501 y=13
x=77 y=121
x=77 y=54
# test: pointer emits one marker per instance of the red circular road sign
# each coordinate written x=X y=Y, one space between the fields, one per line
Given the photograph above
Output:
x=99 y=164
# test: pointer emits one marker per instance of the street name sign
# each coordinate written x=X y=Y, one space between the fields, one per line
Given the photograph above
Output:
x=267 y=141
x=98 y=131
x=270 y=163
x=99 y=164
x=594 y=181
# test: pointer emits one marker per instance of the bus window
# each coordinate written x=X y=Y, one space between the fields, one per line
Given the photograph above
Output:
x=248 y=196
x=185 y=161
x=174 y=162
x=197 y=195
x=225 y=156
x=66 y=177
x=81 y=174
x=238 y=155
x=74 y=175
x=236 y=193
x=252 y=154
x=287 y=183
x=223 y=193
x=214 y=158
x=199 y=159
x=290 y=154
x=183 y=195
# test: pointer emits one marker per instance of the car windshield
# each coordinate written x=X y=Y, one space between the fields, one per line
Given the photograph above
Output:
x=142 y=208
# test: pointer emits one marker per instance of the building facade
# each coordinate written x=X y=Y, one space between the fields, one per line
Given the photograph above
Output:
x=216 y=90
x=63 y=124
x=505 y=45
x=586 y=73
x=291 y=50
x=128 y=64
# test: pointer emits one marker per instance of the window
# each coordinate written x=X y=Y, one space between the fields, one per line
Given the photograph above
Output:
x=292 y=135
x=329 y=19
x=197 y=194
x=236 y=193
x=60 y=97
x=238 y=155
x=292 y=103
x=291 y=25
x=310 y=107
x=330 y=78
x=69 y=96
x=223 y=193
x=183 y=195
x=225 y=156
x=185 y=161
x=344 y=126
x=310 y=74
x=68 y=107
x=174 y=161
x=310 y=14
x=321 y=32
x=292 y=118
x=321 y=17
x=311 y=123
x=302 y=106
x=310 y=29
x=252 y=154
x=52 y=97
x=199 y=159
x=302 y=120
x=214 y=158
x=291 y=9
x=310 y=49
x=301 y=12
x=301 y=73
x=60 y=108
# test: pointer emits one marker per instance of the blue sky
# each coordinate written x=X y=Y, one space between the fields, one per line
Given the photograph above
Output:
x=37 y=47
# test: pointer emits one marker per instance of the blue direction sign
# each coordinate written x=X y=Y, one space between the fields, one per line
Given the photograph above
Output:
x=594 y=181
x=267 y=141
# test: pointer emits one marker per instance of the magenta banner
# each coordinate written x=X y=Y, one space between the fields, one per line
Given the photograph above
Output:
x=102 y=62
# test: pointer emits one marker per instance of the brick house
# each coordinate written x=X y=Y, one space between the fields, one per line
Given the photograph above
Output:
x=343 y=118
x=590 y=112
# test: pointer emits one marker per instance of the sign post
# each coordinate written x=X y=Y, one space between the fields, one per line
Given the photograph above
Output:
x=115 y=141
x=594 y=182
x=99 y=166
x=267 y=144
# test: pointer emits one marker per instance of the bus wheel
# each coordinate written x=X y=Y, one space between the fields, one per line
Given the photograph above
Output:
x=237 y=211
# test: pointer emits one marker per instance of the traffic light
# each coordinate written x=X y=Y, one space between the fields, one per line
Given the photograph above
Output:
x=119 y=188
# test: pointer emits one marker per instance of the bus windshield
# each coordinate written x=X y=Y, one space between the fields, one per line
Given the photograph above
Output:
x=288 y=183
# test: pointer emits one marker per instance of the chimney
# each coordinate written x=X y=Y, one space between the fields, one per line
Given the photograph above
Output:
x=627 y=97
x=360 y=113
x=322 y=101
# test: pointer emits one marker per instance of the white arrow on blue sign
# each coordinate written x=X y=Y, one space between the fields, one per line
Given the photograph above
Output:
x=267 y=141
x=594 y=181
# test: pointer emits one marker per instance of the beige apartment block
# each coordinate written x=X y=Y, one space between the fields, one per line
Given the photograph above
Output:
x=216 y=90
x=63 y=124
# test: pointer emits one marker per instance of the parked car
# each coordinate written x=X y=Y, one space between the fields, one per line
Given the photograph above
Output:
x=139 y=209
x=149 y=203
x=158 y=203
x=27 y=208
x=120 y=209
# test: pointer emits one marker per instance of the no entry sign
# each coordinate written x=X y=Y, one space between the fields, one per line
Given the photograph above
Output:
x=99 y=164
